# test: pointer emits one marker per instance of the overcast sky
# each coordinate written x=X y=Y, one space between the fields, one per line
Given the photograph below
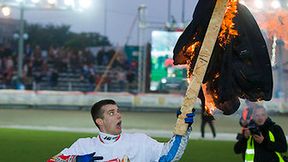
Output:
x=120 y=16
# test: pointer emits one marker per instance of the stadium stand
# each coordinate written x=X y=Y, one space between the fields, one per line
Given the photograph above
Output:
x=68 y=70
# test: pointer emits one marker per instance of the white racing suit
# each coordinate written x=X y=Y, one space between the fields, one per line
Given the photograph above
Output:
x=137 y=147
x=174 y=149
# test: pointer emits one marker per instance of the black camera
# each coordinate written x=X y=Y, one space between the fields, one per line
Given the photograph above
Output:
x=253 y=128
x=239 y=136
x=285 y=158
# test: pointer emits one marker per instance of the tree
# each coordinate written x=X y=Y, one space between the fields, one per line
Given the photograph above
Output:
x=82 y=40
x=60 y=36
x=46 y=36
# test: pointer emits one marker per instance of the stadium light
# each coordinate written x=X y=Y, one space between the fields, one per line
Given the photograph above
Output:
x=35 y=1
x=275 y=4
x=6 y=11
x=69 y=3
x=85 y=3
x=52 y=2
x=259 y=4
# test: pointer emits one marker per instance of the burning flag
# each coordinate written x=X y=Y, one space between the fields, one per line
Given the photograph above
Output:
x=240 y=64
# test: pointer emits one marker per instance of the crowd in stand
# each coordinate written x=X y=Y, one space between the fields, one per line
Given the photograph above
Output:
x=39 y=64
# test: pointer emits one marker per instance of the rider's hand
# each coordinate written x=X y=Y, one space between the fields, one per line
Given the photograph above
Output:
x=189 y=117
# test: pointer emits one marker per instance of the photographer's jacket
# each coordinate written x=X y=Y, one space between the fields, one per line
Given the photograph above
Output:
x=266 y=151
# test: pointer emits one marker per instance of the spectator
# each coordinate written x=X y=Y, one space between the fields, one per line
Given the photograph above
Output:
x=54 y=78
x=130 y=78
x=99 y=57
x=206 y=118
x=263 y=140
x=121 y=79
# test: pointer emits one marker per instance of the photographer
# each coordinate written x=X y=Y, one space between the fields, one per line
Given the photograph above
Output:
x=262 y=140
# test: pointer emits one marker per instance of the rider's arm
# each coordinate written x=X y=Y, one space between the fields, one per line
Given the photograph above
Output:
x=174 y=149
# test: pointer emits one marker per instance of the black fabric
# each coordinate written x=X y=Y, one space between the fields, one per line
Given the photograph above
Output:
x=243 y=64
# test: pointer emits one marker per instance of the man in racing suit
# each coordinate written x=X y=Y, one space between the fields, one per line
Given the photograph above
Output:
x=112 y=145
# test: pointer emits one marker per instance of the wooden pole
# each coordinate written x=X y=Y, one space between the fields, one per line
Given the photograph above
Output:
x=201 y=65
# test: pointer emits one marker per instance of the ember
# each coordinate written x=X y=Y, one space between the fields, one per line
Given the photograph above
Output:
x=240 y=64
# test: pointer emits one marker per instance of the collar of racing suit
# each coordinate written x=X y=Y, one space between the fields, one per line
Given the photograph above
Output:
x=108 y=138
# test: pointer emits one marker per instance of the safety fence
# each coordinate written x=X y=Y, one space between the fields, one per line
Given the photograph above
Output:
x=80 y=100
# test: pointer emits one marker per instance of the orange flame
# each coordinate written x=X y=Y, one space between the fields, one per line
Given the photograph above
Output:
x=210 y=105
x=191 y=53
x=227 y=32
x=191 y=49
x=227 y=28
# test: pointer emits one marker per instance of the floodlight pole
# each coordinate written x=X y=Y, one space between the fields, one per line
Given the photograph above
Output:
x=141 y=50
x=105 y=17
x=183 y=11
x=21 y=41
x=169 y=12
x=280 y=80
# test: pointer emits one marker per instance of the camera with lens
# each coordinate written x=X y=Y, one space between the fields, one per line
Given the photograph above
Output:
x=253 y=128
x=239 y=136
x=285 y=158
